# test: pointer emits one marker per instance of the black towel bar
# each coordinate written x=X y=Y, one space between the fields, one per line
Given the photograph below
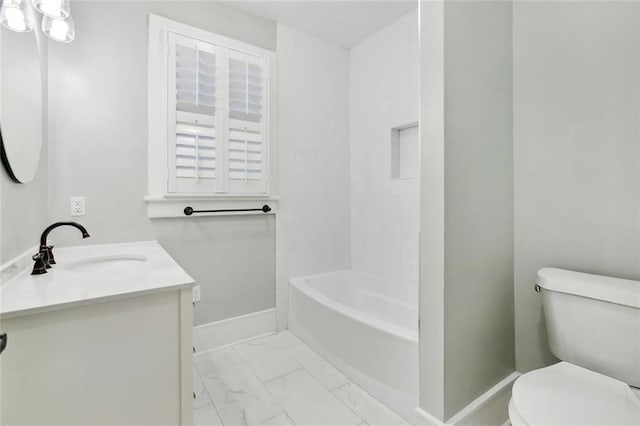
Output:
x=189 y=210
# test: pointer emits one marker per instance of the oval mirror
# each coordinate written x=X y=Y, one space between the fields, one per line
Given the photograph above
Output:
x=20 y=103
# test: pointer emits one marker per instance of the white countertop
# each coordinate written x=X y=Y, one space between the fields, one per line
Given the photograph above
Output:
x=63 y=288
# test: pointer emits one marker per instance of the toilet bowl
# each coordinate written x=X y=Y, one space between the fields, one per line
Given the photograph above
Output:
x=566 y=394
x=593 y=326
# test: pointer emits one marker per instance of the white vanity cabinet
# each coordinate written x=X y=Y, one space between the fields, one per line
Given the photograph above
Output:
x=115 y=349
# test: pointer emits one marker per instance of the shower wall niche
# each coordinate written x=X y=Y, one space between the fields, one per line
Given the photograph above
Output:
x=405 y=150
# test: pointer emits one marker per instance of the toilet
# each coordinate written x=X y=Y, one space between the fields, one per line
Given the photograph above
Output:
x=593 y=324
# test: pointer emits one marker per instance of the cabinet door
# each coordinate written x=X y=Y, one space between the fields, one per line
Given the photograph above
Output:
x=118 y=362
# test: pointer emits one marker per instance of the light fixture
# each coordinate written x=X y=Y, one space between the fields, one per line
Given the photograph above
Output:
x=15 y=16
x=53 y=8
x=62 y=30
x=57 y=22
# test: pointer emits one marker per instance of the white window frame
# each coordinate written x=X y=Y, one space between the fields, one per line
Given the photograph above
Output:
x=161 y=202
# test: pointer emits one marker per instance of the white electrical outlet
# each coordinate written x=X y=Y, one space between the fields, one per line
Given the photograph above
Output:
x=77 y=206
x=196 y=293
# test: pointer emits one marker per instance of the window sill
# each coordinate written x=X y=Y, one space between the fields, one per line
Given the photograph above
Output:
x=174 y=205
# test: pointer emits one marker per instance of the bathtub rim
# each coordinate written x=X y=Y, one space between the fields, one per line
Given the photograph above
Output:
x=300 y=284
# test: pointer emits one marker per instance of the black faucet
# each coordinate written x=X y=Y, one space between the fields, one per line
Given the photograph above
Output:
x=44 y=259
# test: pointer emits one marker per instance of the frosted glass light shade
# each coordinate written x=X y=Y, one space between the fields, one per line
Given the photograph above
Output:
x=62 y=30
x=53 y=8
x=15 y=16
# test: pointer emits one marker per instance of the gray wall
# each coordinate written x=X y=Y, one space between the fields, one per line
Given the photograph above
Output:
x=98 y=149
x=478 y=266
x=466 y=294
x=577 y=150
x=576 y=176
x=23 y=208
x=23 y=211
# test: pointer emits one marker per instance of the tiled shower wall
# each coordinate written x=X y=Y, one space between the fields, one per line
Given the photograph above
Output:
x=313 y=160
x=383 y=84
x=339 y=206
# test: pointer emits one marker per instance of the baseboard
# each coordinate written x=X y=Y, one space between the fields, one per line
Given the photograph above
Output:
x=490 y=408
x=427 y=419
x=232 y=330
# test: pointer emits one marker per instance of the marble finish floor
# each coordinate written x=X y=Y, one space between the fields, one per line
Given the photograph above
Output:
x=278 y=380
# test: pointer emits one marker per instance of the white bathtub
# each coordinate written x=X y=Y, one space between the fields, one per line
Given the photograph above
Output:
x=364 y=325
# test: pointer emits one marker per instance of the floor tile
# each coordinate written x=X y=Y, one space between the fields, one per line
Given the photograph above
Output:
x=206 y=416
x=285 y=339
x=364 y=405
x=279 y=420
x=266 y=358
x=209 y=362
x=239 y=397
x=307 y=402
x=202 y=397
x=321 y=369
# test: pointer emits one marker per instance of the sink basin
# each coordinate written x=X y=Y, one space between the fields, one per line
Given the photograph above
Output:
x=112 y=263
x=91 y=273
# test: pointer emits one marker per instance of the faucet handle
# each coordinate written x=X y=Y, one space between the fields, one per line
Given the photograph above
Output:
x=39 y=267
x=50 y=259
x=46 y=253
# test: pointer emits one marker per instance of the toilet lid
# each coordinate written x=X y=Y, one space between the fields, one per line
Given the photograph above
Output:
x=565 y=394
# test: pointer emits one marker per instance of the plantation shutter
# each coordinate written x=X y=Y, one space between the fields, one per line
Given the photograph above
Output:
x=247 y=125
x=193 y=116
x=217 y=119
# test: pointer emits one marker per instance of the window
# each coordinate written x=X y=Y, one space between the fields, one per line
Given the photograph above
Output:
x=210 y=115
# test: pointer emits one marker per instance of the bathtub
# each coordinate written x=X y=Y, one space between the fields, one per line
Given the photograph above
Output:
x=364 y=325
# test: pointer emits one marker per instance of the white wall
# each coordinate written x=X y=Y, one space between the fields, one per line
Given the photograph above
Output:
x=383 y=89
x=577 y=150
x=98 y=149
x=432 y=210
x=313 y=159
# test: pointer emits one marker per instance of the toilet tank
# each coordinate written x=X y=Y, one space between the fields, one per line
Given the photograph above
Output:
x=593 y=321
